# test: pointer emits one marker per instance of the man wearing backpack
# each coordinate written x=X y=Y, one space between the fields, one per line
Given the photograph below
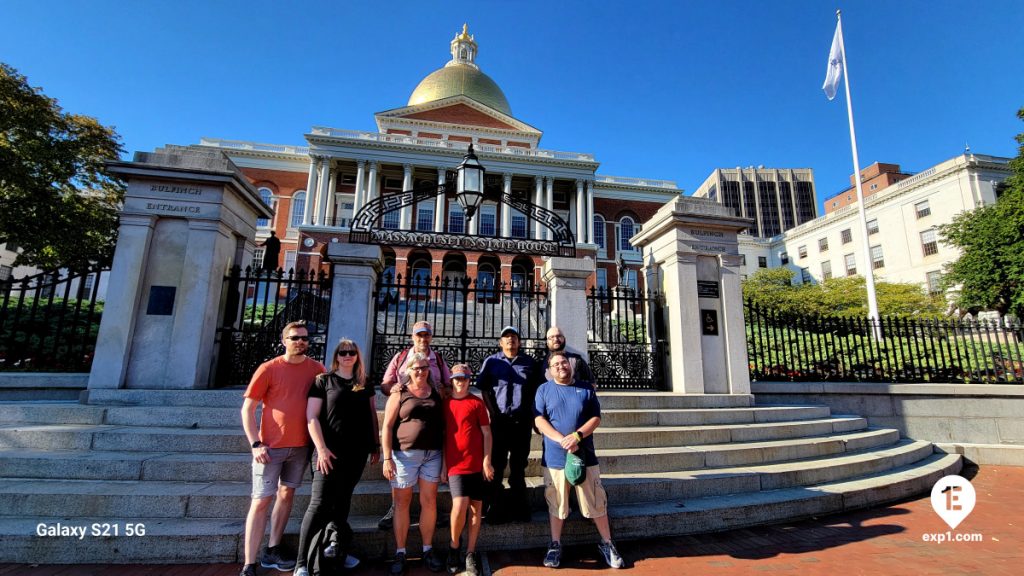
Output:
x=396 y=373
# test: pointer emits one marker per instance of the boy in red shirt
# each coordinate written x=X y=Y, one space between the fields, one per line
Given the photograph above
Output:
x=467 y=454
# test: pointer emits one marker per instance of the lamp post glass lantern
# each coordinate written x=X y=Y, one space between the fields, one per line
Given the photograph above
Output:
x=470 y=185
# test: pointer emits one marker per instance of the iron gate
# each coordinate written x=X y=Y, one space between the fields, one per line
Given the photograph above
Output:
x=626 y=339
x=467 y=316
x=258 y=306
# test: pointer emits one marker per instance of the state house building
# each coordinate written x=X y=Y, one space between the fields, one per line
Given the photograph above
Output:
x=316 y=189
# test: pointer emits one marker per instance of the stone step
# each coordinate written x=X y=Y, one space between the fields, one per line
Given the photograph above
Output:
x=220 y=540
x=228 y=417
x=236 y=467
x=169 y=499
x=228 y=440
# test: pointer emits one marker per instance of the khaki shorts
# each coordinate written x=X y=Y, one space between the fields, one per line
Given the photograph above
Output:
x=591 y=495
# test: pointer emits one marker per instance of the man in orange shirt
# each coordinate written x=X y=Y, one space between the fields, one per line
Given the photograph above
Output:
x=280 y=446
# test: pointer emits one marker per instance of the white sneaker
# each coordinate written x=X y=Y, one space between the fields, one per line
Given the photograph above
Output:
x=351 y=562
x=611 y=555
x=301 y=572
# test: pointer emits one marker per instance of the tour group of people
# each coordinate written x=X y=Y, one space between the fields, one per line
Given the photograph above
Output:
x=435 y=430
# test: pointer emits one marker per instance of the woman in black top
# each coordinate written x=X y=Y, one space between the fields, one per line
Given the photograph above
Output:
x=342 y=419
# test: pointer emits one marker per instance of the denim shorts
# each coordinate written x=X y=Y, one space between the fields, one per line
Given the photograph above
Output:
x=411 y=465
x=287 y=466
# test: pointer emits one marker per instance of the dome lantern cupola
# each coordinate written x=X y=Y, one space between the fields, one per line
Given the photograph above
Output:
x=463 y=49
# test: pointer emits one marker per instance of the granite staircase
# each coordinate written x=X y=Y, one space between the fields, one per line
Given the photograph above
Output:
x=177 y=463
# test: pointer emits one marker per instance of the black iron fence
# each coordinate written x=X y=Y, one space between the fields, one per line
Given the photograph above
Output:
x=467 y=316
x=49 y=321
x=794 y=347
x=258 y=305
x=626 y=339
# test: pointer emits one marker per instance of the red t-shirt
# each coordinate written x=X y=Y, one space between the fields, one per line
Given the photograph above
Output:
x=463 y=438
x=283 y=388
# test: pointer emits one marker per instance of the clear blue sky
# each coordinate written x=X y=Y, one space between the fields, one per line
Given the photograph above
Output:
x=666 y=90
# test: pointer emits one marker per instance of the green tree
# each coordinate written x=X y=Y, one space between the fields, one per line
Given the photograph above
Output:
x=60 y=204
x=989 y=274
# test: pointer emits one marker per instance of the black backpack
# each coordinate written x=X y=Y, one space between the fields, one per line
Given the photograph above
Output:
x=316 y=562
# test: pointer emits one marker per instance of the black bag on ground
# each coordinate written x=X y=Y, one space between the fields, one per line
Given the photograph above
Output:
x=316 y=562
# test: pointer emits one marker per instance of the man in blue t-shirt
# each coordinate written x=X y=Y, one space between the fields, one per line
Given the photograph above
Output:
x=567 y=413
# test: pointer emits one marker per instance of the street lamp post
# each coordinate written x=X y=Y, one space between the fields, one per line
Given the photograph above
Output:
x=470 y=184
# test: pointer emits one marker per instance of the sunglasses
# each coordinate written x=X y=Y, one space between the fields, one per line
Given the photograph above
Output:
x=420 y=368
x=347 y=352
x=297 y=338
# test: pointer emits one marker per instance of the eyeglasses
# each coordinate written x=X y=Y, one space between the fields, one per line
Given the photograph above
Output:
x=556 y=337
x=420 y=368
x=297 y=338
x=347 y=352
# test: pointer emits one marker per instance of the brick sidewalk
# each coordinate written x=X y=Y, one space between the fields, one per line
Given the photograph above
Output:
x=884 y=540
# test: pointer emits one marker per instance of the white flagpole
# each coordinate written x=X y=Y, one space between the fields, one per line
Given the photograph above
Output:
x=865 y=245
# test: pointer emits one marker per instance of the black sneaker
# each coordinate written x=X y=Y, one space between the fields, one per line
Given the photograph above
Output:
x=388 y=519
x=454 y=560
x=433 y=560
x=554 y=556
x=473 y=564
x=248 y=570
x=398 y=566
x=279 y=558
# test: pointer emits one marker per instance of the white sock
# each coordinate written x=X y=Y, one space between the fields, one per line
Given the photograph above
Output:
x=400 y=551
x=426 y=548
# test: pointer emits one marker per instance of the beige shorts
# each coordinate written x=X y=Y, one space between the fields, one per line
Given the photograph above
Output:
x=591 y=495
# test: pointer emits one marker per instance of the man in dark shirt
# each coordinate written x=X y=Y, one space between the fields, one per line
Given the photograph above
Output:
x=509 y=380
x=580 y=368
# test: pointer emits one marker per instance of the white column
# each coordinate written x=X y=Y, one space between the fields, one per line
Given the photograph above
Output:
x=506 y=210
x=549 y=203
x=307 y=215
x=406 y=220
x=538 y=199
x=359 y=197
x=332 y=201
x=439 y=212
x=590 y=211
x=324 y=190
x=581 y=212
x=371 y=183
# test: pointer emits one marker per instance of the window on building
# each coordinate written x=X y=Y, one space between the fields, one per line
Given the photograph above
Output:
x=456 y=219
x=851 y=264
x=929 y=242
x=393 y=183
x=602 y=279
x=743 y=259
x=257 y=258
x=874 y=186
x=425 y=216
x=348 y=178
x=518 y=224
x=6 y=272
x=298 y=208
x=934 y=282
x=88 y=283
x=627 y=228
x=877 y=261
x=392 y=220
x=488 y=220
x=420 y=276
x=762 y=261
x=826 y=270
x=289 y=260
x=802 y=251
x=822 y=244
x=784 y=258
x=630 y=279
x=805 y=276
x=560 y=200
x=922 y=209
x=12 y=247
x=268 y=198
x=872 y=226
x=599 y=238
x=847 y=236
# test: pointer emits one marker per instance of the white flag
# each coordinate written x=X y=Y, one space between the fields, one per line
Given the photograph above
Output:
x=835 y=65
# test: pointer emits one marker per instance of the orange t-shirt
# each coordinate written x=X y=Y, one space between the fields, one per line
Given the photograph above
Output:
x=283 y=389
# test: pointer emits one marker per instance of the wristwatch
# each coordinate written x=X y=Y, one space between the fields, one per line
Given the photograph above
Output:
x=257 y=444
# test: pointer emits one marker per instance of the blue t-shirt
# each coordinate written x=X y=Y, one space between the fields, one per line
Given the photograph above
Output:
x=509 y=383
x=567 y=408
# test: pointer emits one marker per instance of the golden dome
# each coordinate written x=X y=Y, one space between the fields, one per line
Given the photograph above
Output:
x=461 y=75
x=460 y=79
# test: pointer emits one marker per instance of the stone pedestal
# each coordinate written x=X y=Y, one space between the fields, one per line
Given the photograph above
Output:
x=188 y=216
x=692 y=257
x=356 y=267
x=566 y=279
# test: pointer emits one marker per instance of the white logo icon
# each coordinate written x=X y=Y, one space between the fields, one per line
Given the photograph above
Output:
x=953 y=499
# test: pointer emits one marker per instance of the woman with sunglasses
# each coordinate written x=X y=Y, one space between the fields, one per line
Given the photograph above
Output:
x=412 y=442
x=341 y=413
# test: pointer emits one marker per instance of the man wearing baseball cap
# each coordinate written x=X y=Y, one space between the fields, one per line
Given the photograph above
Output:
x=508 y=381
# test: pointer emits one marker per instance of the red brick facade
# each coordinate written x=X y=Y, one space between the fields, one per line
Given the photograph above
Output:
x=462 y=115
